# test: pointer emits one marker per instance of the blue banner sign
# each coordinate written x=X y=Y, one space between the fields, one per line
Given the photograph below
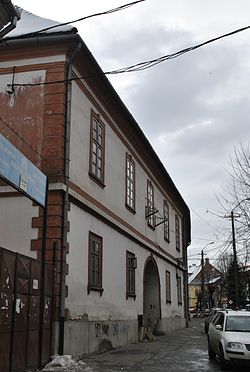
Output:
x=21 y=172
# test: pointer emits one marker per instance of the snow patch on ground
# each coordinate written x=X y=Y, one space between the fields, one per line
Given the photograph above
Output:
x=66 y=363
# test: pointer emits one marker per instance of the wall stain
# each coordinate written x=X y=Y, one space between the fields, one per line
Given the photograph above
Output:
x=101 y=331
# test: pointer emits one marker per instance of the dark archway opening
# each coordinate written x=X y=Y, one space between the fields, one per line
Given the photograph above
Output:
x=151 y=293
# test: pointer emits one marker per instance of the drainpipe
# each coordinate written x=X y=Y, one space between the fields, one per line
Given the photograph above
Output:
x=185 y=276
x=10 y=27
x=66 y=198
x=10 y=16
x=186 y=296
x=42 y=278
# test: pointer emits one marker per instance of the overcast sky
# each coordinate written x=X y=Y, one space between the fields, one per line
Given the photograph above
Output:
x=194 y=109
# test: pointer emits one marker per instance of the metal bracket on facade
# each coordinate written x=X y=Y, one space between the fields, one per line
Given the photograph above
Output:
x=150 y=211
x=161 y=220
x=180 y=263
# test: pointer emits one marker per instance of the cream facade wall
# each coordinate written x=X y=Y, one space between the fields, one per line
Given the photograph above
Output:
x=16 y=231
x=29 y=77
x=113 y=303
x=33 y=61
x=113 y=194
x=93 y=318
x=123 y=231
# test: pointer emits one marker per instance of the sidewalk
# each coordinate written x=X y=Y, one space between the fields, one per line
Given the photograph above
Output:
x=182 y=350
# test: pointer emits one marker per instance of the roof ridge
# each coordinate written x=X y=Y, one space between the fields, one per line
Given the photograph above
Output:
x=31 y=24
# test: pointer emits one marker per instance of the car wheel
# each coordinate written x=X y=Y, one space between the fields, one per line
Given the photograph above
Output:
x=223 y=362
x=211 y=353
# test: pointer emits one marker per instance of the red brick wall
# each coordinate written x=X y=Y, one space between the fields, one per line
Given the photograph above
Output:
x=33 y=119
x=54 y=123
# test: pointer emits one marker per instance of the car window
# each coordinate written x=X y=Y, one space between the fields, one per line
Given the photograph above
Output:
x=219 y=320
x=215 y=317
x=212 y=314
x=238 y=324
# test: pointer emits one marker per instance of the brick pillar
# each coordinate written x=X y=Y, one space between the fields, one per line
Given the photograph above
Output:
x=53 y=240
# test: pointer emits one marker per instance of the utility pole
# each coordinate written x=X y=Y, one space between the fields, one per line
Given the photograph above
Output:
x=235 y=261
x=236 y=276
x=203 y=277
x=202 y=282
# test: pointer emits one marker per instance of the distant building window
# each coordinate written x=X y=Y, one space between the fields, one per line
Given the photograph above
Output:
x=179 y=290
x=168 y=287
x=177 y=233
x=131 y=264
x=97 y=148
x=95 y=263
x=130 y=182
x=150 y=204
x=166 y=221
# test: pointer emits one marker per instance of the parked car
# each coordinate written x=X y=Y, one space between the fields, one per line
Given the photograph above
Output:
x=229 y=337
x=210 y=317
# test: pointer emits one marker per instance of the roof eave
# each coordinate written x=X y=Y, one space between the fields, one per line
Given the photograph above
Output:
x=73 y=39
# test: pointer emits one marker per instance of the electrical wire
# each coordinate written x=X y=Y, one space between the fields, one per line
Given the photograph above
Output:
x=207 y=240
x=122 y=7
x=208 y=250
x=203 y=239
x=143 y=65
x=110 y=11
x=202 y=219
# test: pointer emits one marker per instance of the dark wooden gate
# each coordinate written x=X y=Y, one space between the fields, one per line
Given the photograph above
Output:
x=20 y=330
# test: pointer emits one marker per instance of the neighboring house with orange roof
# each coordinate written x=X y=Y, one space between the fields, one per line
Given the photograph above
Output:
x=212 y=278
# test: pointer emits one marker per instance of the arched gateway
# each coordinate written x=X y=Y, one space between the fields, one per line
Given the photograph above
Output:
x=151 y=295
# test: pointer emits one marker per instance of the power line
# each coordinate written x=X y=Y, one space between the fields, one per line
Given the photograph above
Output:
x=207 y=240
x=110 y=11
x=206 y=250
x=203 y=239
x=122 y=7
x=202 y=219
x=142 y=65
x=147 y=64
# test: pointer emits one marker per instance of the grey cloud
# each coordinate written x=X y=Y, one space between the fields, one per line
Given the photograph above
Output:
x=198 y=104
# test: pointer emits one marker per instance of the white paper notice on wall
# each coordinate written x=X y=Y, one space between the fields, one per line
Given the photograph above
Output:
x=18 y=305
x=35 y=284
x=23 y=183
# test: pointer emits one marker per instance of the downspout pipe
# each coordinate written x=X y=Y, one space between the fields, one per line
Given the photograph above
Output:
x=42 y=279
x=9 y=28
x=10 y=8
x=66 y=197
x=186 y=243
x=13 y=16
x=186 y=298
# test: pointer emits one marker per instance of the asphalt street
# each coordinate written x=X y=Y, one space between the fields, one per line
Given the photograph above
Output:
x=183 y=350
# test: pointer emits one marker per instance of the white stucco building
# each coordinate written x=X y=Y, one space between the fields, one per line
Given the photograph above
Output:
x=117 y=226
